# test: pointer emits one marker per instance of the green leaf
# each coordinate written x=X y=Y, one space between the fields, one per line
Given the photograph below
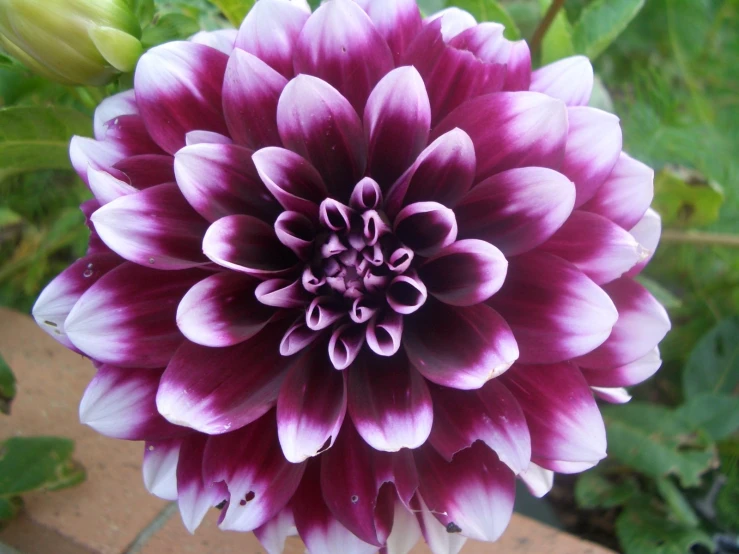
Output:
x=642 y=531
x=234 y=10
x=727 y=501
x=664 y=296
x=650 y=439
x=168 y=27
x=557 y=42
x=8 y=218
x=489 y=10
x=718 y=414
x=35 y=463
x=144 y=10
x=601 y=22
x=594 y=490
x=33 y=138
x=683 y=197
x=9 y=509
x=713 y=365
x=676 y=503
x=7 y=386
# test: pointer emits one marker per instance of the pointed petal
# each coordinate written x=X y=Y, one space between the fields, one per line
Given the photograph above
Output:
x=642 y=324
x=282 y=293
x=297 y=337
x=626 y=375
x=465 y=273
x=340 y=45
x=398 y=21
x=251 y=89
x=389 y=403
x=453 y=21
x=397 y=122
x=147 y=170
x=555 y=311
x=127 y=318
x=384 y=332
x=426 y=227
x=130 y=135
x=260 y=481
x=317 y=122
x=457 y=347
x=569 y=79
x=222 y=40
x=518 y=209
x=311 y=406
x=492 y=415
x=406 y=531
x=119 y=403
x=85 y=152
x=160 y=467
x=59 y=297
x=220 y=179
x=123 y=103
x=612 y=395
x=538 y=480
x=345 y=343
x=511 y=129
x=406 y=293
x=272 y=535
x=438 y=539
x=178 y=89
x=247 y=244
x=194 y=496
x=270 y=32
x=473 y=493
x=155 y=227
x=206 y=137
x=599 y=248
x=562 y=416
x=647 y=233
x=106 y=188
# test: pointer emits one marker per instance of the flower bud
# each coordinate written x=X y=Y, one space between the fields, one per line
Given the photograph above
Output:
x=76 y=42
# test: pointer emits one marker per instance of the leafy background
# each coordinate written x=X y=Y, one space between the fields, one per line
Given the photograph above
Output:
x=670 y=70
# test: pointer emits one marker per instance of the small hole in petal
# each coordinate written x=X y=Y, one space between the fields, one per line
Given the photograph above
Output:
x=247 y=498
x=355 y=499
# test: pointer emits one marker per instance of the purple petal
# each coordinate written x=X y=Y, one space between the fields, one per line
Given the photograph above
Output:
x=155 y=227
x=612 y=395
x=434 y=533
x=599 y=248
x=398 y=21
x=220 y=180
x=160 y=468
x=345 y=343
x=555 y=311
x=251 y=89
x=626 y=375
x=340 y=45
x=405 y=533
x=453 y=21
x=147 y=170
x=120 y=403
x=296 y=231
x=297 y=337
x=222 y=310
x=389 y=403
x=222 y=39
x=538 y=480
x=406 y=293
x=562 y=416
x=86 y=152
x=366 y=195
x=206 y=137
x=491 y=415
x=335 y=215
x=247 y=244
x=397 y=122
x=322 y=312
x=59 y=297
x=426 y=227
x=460 y=348
x=260 y=480
x=127 y=318
x=123 y=103
x=465 y=273
x=317 y=122
x=282 y=293
x=129 y=133
x=642 y=323
x=106 y=188
x=511 y=129
x=443 y=173
x=273 y=534
x=518 y=209
x=474 y=492
x=593 y=147
x=647 y=233
x=178 y=89
x=270 y=32
x=384 y=332
x=311 y=406
x=569 y=80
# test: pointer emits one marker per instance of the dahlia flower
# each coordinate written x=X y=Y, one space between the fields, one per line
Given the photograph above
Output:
x=351 y=273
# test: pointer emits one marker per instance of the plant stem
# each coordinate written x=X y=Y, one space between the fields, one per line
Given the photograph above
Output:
x=700 y=237
x=543 y=27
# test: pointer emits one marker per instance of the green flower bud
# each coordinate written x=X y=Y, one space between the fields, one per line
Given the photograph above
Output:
x=76 y=42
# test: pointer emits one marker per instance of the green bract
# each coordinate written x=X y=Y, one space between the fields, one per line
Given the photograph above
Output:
x=76 y=42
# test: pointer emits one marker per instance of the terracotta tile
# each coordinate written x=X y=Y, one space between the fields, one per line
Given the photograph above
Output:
x=105 y=513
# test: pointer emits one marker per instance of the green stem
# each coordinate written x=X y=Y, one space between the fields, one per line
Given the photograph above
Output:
x=700 y=238
x=543 y=27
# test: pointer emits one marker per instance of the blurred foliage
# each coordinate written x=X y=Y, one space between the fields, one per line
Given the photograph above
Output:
x=670 y=70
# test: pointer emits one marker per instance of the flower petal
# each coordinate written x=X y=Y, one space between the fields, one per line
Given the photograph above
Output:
x=220 y=179
x=160 y=467
x=538 y=480
x=426 y=227
x=340 y=45
x=127 y=318
x=123 y=103
x=555 y=311
x=438 y=539
x=461 y=348
x=593 y=146
x=155 y=227
x=465 y=273
x=260 y=480
x=642 y=324
x=384 y=332
x=345 y=343
x=270 y=32
x=406 y=531
x=599 y=248
x=518 y=209
x=147 y=170
x=626 y=375
x=222 y=39
x=389 y=403
x=282 y=293
x=472 y=495
x=85 y=152
x=251 y=89
x=453 y=21
x=397 y=122
x=178 y=89
x=647 y=233
x=120 y=403
x=398 y=21
x=106 y=188
x=562 y=416
x=311 y=406
x=511 y=129
x=317 y=122
x=569 y=79
x=491 y=415
x=273 y=533
x=612 y=395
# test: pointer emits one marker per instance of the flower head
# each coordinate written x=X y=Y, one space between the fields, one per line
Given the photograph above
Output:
x=354 y=275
